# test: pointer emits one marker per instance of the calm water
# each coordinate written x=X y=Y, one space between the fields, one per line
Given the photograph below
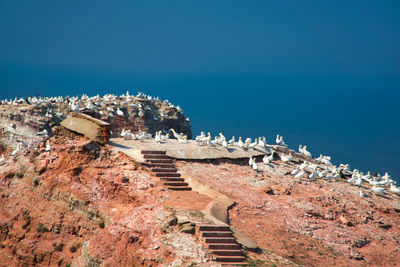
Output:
x=355 y=120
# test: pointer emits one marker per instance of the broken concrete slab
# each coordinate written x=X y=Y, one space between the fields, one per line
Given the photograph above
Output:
x=90 y=127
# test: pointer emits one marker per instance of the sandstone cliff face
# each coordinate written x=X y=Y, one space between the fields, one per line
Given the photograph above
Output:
x=21 y=121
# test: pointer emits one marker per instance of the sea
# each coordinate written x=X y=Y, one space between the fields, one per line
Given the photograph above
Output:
x=353 y=119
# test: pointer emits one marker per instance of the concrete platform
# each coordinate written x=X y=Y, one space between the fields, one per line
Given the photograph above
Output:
x=177 y=150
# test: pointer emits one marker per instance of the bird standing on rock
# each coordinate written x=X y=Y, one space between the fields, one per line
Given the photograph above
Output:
x=48 y=146
x=251 y=161
x=305 y=152
x=268 y=159
x=255 y=166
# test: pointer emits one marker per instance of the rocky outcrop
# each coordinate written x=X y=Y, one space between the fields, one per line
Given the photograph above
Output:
x=26 y=121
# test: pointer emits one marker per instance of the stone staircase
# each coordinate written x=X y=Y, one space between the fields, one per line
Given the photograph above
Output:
x=163 y=168
x=220 y=241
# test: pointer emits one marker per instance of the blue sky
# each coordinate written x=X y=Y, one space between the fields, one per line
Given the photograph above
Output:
x=201 y=37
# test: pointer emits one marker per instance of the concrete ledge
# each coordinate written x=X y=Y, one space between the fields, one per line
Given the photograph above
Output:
x=190 y=150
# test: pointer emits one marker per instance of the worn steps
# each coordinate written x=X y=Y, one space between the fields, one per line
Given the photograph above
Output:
x=163 y=168
x=217 y=234
x=166 y=174
x=221 y=242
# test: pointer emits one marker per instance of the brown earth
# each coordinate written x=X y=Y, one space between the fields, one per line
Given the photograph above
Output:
x=81 y=204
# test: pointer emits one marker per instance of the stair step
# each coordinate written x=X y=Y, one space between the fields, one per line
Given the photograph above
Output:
x=160 y=165
x=217 y=234
x=164 y=169
x=234 y=264
x=159 y=152
x=176 y=184
x=230 y=258
x=180 y=188
x=152 y=156
x=227 y=252
x=213 y=227
x=156 y=161
x=172 y=179
x=220 y=240
x=167 y=174
x=223 y=246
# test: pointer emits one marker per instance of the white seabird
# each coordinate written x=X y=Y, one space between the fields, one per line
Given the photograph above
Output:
x=394 y=189
x=378 y=190
x=48 y=146
x=305 y=152
x=251 y=161
x=268 y=159
x=255 y=166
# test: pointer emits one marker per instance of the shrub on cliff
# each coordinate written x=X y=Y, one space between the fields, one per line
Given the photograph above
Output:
x=42 y=229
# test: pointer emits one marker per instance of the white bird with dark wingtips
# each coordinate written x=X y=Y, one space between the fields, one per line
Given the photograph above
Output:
x=305 y=152
x=394 y=189
x=232 y=141
x=314 y=175
x=240 y=142
x=286 y=158
x=378 y=190
x=268 y=159
x=253 y=145
x=362 y=194
x=254 y=165
x=251 y=161
x=300 y=174
x=279 y=140
x=48 y=146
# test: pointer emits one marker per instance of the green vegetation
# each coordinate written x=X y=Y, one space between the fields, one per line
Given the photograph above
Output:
x=59 y=247
x=72 y=249
x=254 y=263
x=102 y=225
x=27 y=219
x=42 y=229
x=20 y=175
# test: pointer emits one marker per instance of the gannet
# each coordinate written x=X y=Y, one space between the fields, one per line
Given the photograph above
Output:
x=392 y=188
x=247 y=141
x=48 y=146
x=305 y=152
x=224 y=143
x=324 y=173
x=240 y=142
x=253 y=145
x=286 y=158
x=277 y=139
x=255 y=166
x=251 y=161
x=362 y=194
x=314 y=175
x=43 y=133
x=304 y=165
x=158 y=137
x=16 y=150
x=232 y=141
x=300 y=174
x=183 y=140
x=268 y=159
x=295 y=171
x=261 y=142
x=358 y=181
x=378 y=190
